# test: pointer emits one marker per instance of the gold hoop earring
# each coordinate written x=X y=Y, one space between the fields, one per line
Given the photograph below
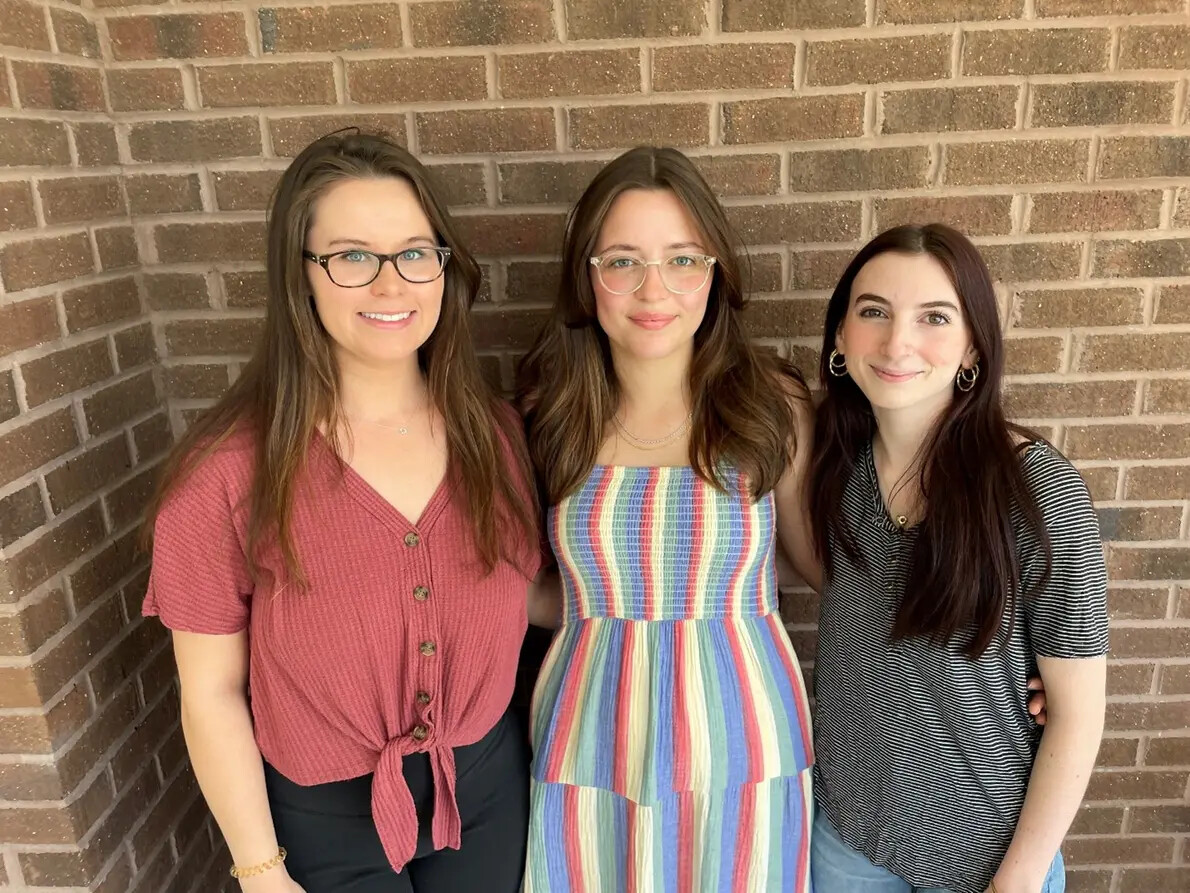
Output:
x=837 y=364
x=965 y=380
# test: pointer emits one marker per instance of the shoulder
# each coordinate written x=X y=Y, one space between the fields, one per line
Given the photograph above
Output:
x=1049 y=475
x=212 y=467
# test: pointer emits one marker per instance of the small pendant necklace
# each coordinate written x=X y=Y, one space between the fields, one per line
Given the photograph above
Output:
x=402 y=429
x=643 y=443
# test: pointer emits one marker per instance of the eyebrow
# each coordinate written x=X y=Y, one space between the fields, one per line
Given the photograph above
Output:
x=367 y=244
x=676 y=246
x=928 y=305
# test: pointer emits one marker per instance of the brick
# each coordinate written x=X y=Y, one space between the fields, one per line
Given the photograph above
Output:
x=1115 y=102
x=121 y=663
x=1020 y=161
x=1047 y=8
x=176 y=291
x=1061 y=308
x=246 y=289
x=1072 y=400
x=910 y=12
x=1169 y=751
x=9 y=407
x=126 y=504
x=205 y=35
x=37 y=825
x=195 y=381
x=461 y=184
x=74 y=34
x=6 y=99
x=917 y=58
x=1027 y=261
x=782 y=15
x=1155 y=47
x=42 y=85
x=1043 y=51
x=1155 y=257
x=1154 y=880
x=24 y=25
x=211 y=337
x=70 y=654
x=26 y=323
x=163 y=193
x=587 y=73
x=731 y=175
x=1133 y=441
x=444 y=79
x=1103 y=211
x=45 y=732
x=26 y=142
x=1135 y=785
x=1133 y=157
x=21 y=512
x=66 y=371
x=1149 y=352
x=291 y=135
x=185 y=242
x=43 y=261
x=974 y=215
x=595 y=20
x=1156 y=482
x=532 y=282
x=74 y=199
x=316 y=29
x=545 y=182
x=949 y=109
x=482 y=23
x=152 y=437
x=1133 y=524
x=1181 y=213
x=101 y=304
x=1162 y=819
x=135 y=347
x=42 y=559
x=145 y=89
x=115 y=405
x=96 y=143
x=507 y=330
x=97 y=577
x=1028 y=356
x=1130 y=679
x=1136 y=604
x=244 y=190
x=16 y=206
x=816 y=270
x=1167 y=396
x=1105 y=819
x=203 y=141
x=608 y=127
x=117 y=248
x=1175 y=680
x=476 y=131
x=87 y=473
x=793 y=118
x=784 y=317
x=735 y=66
x=491 y=235
x=1101 y=482
x=800 y=222
x=852 y=170
x=267 y=83
x=30 y=781
x=1120 y=850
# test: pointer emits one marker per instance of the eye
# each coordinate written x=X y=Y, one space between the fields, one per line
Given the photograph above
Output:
x=355 y=257
x=621 y=262
x=413 y=254
x=683 y=260
x=871 y=313
x=937 y=319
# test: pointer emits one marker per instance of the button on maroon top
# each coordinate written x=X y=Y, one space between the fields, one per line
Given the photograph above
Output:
x=399 y=644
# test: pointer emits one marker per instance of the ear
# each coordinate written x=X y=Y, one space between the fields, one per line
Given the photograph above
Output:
x=839 y=346
x=970 y=358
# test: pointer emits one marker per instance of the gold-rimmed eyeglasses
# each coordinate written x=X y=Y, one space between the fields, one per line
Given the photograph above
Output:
x=682 y=273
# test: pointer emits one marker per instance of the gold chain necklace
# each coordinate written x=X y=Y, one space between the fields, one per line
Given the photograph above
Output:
x=642 y=443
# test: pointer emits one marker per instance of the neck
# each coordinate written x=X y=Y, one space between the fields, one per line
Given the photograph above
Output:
x=901 y=433
x=654 y=388
x=380 y=393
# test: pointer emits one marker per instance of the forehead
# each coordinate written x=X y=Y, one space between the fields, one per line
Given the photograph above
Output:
x=647 y=218
x=379 y=207
x=902 y=278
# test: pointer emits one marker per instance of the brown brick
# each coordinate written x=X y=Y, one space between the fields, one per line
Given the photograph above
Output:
x=24 y=25
x=1154 y=880
x=735 y=66
x=26 y=142
x=817 y=270
x=851 y=170
x=21 y=512
x=417 y=80
x=1026 y=261
x=1169 y=751
x=75 y=35
x=1155 y=257
x=96 y=143
x=949 y=108
x=793 y=118
x=267 y=83
x=798 y=222
x=46 y=260
x=26 y=323
x=97 y=577
x=9 y=408
x=1073 y=400
x=1135 y=785
x=42 y=85
x=490 y=235
x=72 y=653
x=545 y=182
x=45 y=557
x=1074 y=105
x=607 y=127
x=1132 y=524
x=117 y=248
x=461 y=184
x=1167 y=396
x=1020 y=161
x=101 y=304
x=731 y=175
x=1101 y=482
x=1146 y=642
x=1149 y=352
x=43 y=733
x=532 y=282
x=1047 y=8
x=974 y=215
x=120 y=665
x=163 y=193
x=1132 y=441
x=1132 y=157
x=73 y=199
x=481 y=22
x=1044 y=51
x=204 y=141
x=135 y=347
x=1136 y=604
x=119 y=403
x=65 y=371
x=16 y=206
x=908 y=12
x=594 y=20
x=1103 y=211
x=211 y=337
x=1026 y=356
x=38 y=825
x=246 y=289
x=587 y=73
x=183 y=242
x=88 y=472
x=244 y=190
x=6 y=99
x=784 y=317
x=782 y=15
x=317 y=29
x=1067 y=307
x=291 y=135
x=1130 y=679
x=1181 y=209
x=1175 y=680
x=1105 y=819
x=510 y=330
x=178 y=36
x=917 y=58
x=1162 y=819
x=145 y=89
x=176 y=291
x=1155 y=46
x=1173 y=304
x=1120 y=850
x=1156 y=482
x=127 y=503
x=195 y=381
x=485 y=130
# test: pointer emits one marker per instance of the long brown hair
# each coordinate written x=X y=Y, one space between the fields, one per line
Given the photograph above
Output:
x=568 y=388
x=965 y=576
x=290 y=388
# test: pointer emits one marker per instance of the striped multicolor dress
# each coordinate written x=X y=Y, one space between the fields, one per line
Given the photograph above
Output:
x=671 y=732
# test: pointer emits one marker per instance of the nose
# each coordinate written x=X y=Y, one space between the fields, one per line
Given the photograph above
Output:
x=653 y=289
x=388 y=280
x=899 y=340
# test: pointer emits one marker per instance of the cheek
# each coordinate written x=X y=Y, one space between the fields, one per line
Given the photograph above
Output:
x=945 y=347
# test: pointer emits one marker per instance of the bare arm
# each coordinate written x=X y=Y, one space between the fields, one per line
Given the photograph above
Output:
x=1075 y=700
x=545 y=599
x=793 y=520
x=217 y=724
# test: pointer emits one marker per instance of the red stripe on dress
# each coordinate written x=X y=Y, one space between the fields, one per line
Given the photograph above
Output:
x=777 y=631
x=595 y=541
x=567 y=711
x=572 y=836
x=685 y=842
x=623 y=704
x=630 y=881
x=751 y=725
x=681 y=717
x=743 y=837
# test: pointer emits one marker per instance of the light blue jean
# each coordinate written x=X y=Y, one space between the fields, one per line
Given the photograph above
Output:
x=837 y=868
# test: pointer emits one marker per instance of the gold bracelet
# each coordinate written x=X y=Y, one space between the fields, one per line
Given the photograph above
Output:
x=254 y=870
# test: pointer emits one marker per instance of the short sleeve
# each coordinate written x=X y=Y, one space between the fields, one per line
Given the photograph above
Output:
x=1067 y=615
x=199 y=581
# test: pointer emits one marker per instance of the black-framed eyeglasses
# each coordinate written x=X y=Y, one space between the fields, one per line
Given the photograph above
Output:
x=357 y=268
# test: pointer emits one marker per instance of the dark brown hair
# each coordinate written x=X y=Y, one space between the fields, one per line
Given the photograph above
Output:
x=290 y=387
x=965 y=576
x=568 y=388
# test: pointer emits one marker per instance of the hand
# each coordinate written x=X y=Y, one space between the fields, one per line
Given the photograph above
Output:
x=1037 y=701
x=275 y=880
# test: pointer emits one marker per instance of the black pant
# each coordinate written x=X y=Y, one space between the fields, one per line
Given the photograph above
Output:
x=334 y=847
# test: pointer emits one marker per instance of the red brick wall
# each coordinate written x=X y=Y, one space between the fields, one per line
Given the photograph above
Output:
x=137 y=147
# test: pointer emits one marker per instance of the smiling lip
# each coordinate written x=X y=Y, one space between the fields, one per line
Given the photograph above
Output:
x=398 y=320
x=652 y=320
x=894 y=377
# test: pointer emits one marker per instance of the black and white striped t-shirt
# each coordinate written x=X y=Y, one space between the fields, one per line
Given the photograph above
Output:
x=923 y=755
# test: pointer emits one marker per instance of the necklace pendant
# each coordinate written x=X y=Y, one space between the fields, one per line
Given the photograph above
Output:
x=403 y=430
